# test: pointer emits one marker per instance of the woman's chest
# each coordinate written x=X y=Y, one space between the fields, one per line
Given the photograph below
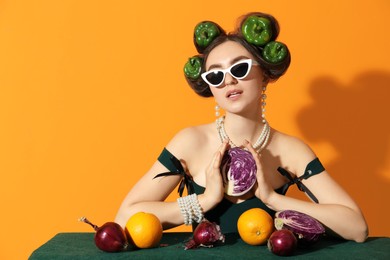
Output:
x=199 y=165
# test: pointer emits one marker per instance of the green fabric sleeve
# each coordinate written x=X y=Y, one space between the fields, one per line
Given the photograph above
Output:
x=165 y=159
x=314 y=167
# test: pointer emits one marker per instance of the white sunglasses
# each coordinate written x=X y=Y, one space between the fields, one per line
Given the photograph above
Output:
x=238 y=70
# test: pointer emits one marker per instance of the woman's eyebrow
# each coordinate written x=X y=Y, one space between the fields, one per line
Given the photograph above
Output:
x=238 y=58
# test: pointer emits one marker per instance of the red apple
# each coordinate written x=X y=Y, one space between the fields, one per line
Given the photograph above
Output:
x=282 y=242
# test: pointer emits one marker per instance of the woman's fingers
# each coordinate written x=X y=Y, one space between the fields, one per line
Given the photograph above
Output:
x=214 y=184
x=218 y=155
x=223 y=146
x=263 y=189
x=217 y=160
x=255 y=155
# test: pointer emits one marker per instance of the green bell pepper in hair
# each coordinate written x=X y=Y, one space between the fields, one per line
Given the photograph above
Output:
x=205 y=33
x=275 y=52
x=193 y=67
x=257 y=30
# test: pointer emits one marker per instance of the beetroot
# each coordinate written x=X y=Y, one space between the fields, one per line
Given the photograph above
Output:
x=238 y=168
x=306 y=228
x=206 y=234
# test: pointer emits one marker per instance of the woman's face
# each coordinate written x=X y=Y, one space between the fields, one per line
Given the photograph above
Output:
x=239 y=96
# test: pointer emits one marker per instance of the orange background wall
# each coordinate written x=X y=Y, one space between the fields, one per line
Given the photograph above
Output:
x=91 y=91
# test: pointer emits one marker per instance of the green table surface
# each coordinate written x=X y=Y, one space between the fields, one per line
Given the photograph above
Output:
x=81 y=246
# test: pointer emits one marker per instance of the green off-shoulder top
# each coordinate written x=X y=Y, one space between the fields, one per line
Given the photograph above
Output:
x=226 y=213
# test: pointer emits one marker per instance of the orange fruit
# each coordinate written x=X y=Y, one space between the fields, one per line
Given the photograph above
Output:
x=144 y=230
x=255 y=226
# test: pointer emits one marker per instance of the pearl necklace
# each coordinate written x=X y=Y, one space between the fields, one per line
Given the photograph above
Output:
x=260 y=143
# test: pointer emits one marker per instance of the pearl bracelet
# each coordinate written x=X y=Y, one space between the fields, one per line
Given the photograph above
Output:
x=197 y=210
x=183 y=210
x=190 y=209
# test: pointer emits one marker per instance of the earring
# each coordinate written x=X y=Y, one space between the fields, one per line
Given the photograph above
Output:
x=263 y=103
x=216 y=110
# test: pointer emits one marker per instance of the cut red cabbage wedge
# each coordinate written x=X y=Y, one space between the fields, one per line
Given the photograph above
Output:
x=307 y=229
x=238 y=169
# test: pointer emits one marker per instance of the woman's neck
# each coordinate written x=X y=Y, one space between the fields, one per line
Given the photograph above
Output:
x=240 y=128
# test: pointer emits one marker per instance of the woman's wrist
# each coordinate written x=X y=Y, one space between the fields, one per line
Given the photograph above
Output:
x=190 y=209
x=270 y=200
x=205 y=202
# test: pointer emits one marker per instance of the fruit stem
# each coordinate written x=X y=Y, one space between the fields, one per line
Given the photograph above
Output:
x=85 y=220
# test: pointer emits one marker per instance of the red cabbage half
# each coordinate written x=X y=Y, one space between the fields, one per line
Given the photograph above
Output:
x=238 y=168
x=306 y=228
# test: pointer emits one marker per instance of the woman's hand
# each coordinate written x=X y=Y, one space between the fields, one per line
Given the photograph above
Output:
x=263 y=190
x=214 y=191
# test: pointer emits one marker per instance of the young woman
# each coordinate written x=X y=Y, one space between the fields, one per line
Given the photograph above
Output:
x=235 y=69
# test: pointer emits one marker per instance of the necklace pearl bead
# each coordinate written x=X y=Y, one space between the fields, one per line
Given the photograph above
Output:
x=260 y=143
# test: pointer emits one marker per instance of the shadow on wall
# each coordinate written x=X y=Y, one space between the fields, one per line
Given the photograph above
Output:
x=355 y=119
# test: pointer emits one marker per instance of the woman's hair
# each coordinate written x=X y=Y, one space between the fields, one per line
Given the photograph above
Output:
x=271 y=71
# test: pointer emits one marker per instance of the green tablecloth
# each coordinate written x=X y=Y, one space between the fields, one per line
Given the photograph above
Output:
x=81 y=246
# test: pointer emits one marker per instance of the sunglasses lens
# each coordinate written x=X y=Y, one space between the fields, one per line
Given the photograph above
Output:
x=240 y=70
x=215 y=77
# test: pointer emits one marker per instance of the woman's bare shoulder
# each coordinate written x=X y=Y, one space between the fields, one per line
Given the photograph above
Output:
x=190 y=139
x=287 y=142
x=293 y=151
